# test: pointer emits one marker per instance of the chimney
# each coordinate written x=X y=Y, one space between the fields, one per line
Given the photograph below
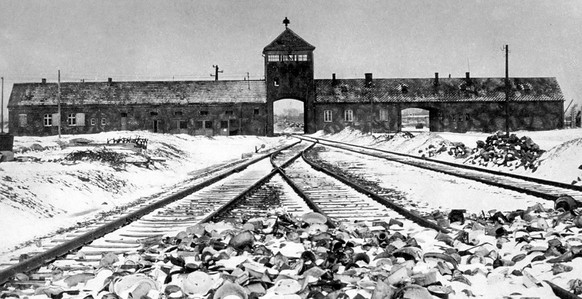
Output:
x=436 y=79
x=368 y=79
x=467 y=76
x=43 y=80
x=333 y=80
x=109 y=81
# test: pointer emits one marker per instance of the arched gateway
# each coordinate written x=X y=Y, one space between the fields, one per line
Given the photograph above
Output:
x=289 y=74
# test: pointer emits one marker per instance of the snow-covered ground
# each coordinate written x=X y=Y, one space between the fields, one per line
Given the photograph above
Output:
x=560 y=162
x=39 y=196
x=47 y=192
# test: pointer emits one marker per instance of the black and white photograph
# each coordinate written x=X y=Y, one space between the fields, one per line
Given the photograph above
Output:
x=269 y=149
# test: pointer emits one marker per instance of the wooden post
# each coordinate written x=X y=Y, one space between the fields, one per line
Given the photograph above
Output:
x=507 y=90
x=59 y=101
x=2 y=108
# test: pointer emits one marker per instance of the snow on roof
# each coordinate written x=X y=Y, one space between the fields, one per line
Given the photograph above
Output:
x=139 y=92
x=425 y=90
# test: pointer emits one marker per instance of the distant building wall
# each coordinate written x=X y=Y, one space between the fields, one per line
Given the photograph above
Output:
x=444 y=116
x=195 y=119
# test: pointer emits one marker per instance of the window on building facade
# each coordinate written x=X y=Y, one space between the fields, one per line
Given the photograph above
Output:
x=71 y=119
x=327 y=116
x=198 y=124
x=229 y=112
x=256 y=111
x=203 y=112
x=183 y=124
x=349 y=115
x=208 y=124
x=153 y=113
x=22 y=120
x=224 y=124
x=178 y=113
x=103 y=121
x=123 y=114
x=48 y=120
x=383 y=114
x=93 y=121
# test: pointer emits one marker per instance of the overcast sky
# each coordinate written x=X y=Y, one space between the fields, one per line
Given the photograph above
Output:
x=181 y=40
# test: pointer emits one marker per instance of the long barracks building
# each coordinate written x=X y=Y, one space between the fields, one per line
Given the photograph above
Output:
x=246 y=106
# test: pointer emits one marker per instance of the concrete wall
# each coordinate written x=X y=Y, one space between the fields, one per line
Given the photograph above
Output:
x=216 y=119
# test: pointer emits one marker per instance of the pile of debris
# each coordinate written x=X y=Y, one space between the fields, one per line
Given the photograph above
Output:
x=501 y=150
x=281 y=256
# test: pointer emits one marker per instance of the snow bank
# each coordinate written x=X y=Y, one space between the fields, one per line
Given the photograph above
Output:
x=39 y=196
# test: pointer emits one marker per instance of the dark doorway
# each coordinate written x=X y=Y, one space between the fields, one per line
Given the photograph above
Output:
x=156 y=124
x=288 y=117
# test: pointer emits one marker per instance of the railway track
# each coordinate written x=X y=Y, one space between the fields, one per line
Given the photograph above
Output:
x=533 y=186
x=253 y=190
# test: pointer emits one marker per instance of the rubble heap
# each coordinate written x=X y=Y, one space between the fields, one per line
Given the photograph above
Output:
x=489 y=256
x=512 y=152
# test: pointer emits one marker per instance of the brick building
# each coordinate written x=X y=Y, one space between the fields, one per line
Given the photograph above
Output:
x=246 y=107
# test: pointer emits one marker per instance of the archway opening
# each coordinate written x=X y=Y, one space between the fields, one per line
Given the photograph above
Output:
x=415 y=120
x=288 y=117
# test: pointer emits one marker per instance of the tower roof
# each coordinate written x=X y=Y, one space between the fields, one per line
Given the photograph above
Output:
x=288 y=41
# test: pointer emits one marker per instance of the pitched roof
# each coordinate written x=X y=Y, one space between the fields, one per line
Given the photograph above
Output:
x=288 y=41
x=448 y=89
x=139 y=92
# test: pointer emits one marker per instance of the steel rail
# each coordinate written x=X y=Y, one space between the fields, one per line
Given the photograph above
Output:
x=59 y=250
x=470 y=167
x=398 y=209
x=540 y=194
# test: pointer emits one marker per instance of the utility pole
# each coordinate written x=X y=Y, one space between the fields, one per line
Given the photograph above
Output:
x=59 y=101
x=216 y=71
x=2 y=108
x=507 y=90
x=248 y=81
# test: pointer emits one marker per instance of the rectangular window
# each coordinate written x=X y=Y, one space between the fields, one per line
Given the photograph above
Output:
x=48 y=120
x=178 y=113
x=349 y=115
x=204 y=112
x=327 y=116
x=183 y=124
x=22 y=121
x=229 y=112
x=208 y=124
x=71 y=120
x=93 y=121
x=256 y=111
x=224 y=124
x=302 y=57
x=103 y=121
x=273 y=58
x=383 y=115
